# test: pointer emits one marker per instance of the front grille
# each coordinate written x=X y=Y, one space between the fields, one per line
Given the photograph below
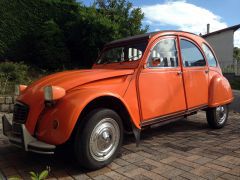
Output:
x=17 y=129
x=20 y=113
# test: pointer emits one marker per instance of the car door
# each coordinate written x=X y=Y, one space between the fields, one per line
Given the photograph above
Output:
x=160 y=82
x=195 y=74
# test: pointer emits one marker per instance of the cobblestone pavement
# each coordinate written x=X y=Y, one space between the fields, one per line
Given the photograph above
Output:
x=186 y=149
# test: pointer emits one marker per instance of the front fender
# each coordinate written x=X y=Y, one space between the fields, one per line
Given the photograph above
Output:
x=220 y=91
x=67 y=112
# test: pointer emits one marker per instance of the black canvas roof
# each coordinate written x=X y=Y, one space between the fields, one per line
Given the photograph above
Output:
x=140 y=37
x=132 y=38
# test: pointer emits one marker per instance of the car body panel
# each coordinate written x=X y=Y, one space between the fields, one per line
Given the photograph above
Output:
x=220 y=91
x=164 y=94
x=196 y=78
x=33 y=96
x=67 y=121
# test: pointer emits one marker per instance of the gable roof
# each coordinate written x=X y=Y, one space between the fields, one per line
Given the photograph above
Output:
x=234 y=28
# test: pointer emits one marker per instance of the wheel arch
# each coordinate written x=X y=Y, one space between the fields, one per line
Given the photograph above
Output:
x=110 y=102
x=220 y=91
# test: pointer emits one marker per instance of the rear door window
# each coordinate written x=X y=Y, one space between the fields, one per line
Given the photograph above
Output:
x=209 y=55
x=191 y=55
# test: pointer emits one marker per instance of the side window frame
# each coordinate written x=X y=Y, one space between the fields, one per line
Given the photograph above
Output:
x=198 y=47
x=154 y=44
x=213 y=53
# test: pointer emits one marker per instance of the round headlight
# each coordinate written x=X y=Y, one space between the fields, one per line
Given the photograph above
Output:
x=52 y=93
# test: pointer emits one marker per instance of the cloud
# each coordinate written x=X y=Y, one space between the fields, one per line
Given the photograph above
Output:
x=185 y=16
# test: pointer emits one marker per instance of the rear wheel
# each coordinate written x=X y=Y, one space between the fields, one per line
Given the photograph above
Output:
x=98 y=143
x=217 y=117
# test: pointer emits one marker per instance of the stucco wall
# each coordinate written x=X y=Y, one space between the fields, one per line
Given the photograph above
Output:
x=222 y=44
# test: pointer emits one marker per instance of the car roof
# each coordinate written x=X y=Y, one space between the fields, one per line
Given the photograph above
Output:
x=146 y=36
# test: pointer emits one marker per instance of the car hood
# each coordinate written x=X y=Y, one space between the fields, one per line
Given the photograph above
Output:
x=71 y=79
x=33 y=96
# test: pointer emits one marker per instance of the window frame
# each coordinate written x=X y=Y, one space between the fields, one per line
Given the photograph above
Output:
x=118 y=45
x=161 y=38
x=211 y=50
x=198 y=47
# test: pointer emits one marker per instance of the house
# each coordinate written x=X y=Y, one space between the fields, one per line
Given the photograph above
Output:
x=222 y=43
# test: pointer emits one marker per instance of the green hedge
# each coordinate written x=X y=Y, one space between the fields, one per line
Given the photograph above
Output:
x=63 y=34
x=19 y=19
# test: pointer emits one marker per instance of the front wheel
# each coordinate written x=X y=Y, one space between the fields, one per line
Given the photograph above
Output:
x=98 y=142
x=217 y=117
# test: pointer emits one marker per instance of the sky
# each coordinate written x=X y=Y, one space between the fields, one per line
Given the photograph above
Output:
x=189 y=15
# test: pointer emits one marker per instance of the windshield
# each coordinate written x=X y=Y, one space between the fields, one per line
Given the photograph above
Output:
x=122 y=53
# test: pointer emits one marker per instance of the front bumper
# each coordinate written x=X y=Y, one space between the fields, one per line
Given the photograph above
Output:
x=25 y=140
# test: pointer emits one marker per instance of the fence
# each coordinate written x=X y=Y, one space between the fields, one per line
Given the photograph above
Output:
x=233 y=67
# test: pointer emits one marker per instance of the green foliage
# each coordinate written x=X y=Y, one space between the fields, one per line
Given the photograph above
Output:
x=50 y=50
x=88 y=34
x=20 y=19
x=11 y=74
x=43 y=175
x=58 y=34
x=121 y=12
x=35 y=176
x=236 y=53
x=235 y=83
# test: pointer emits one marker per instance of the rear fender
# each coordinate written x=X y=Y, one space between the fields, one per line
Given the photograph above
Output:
x=220 y=91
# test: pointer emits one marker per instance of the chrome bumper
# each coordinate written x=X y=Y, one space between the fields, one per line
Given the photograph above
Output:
x=25 y=140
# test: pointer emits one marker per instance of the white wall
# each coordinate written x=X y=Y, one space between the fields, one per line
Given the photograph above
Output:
x=222 y=44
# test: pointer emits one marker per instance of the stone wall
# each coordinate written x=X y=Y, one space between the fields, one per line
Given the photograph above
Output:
x=6 y=103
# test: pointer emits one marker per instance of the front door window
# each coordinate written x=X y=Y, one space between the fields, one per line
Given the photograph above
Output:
x=164 y=54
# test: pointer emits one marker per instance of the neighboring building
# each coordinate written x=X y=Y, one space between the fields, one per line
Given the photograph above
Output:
x=222 y=43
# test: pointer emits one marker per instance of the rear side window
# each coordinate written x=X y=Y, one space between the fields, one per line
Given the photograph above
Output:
x=164 y=54
x=191 y=55
x=209 y=54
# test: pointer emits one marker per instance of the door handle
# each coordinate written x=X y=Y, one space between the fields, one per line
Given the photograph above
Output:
x=206 y=71
x=179 y=73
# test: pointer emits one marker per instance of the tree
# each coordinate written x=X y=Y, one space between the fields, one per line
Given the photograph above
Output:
x=236 y=53
x=51 y=52
x=96 y=25
x=56 y=34
x=121 y=12
x=87 y=35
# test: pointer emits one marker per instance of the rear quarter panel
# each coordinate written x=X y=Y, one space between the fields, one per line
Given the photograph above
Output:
x=220 y=91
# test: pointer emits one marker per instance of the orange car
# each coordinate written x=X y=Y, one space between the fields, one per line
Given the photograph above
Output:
x=136 y=82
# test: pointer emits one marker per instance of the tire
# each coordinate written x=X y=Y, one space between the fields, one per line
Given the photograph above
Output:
x=99 y=141
x=217 y=117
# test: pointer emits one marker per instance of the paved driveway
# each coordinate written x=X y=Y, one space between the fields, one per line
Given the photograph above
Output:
x=186 y=149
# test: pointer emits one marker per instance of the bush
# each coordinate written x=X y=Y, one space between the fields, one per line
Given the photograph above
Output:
x=63 y=34
x=11 y=74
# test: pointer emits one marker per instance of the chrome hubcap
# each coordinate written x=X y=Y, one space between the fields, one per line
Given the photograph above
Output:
x=104 y=139
x=221 y=114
